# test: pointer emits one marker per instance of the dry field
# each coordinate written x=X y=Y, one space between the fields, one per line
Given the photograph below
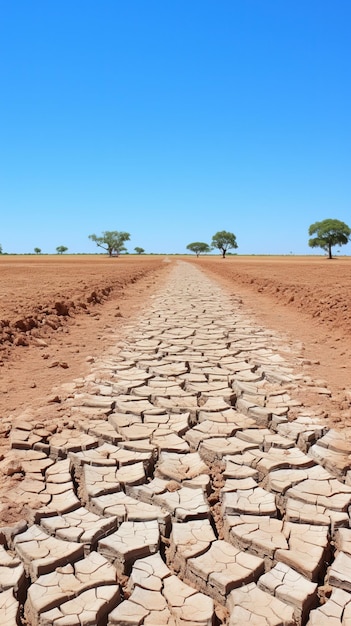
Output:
x=306 y=298
x=106 y=365
x=53 y=311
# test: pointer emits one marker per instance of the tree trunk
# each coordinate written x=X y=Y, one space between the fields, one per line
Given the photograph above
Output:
x=223 y=253
x=329 y=251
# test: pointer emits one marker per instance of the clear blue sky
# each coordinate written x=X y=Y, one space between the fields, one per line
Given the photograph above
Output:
x=173 y=119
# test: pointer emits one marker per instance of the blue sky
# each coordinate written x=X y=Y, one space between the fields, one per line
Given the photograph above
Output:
x=173 y=119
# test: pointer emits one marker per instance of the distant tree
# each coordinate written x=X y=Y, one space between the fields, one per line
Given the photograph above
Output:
x=139 y=250
x=61 y=249
x=198 y=247
x=329 y=233
x=112 y=241
x=38 y=250
x=0 y=248
x=224 y=241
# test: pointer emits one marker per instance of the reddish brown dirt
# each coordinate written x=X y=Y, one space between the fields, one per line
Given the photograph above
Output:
x=54 y=312
x=308 y=300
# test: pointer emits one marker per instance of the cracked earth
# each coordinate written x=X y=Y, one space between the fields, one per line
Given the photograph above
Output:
x=187 y=485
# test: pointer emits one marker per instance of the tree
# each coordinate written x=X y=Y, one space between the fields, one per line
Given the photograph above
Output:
x=112 y=241
x=139 y=250
x=329 y=233
x=61 y=249
x=198 y=247
x=38 y=250
x=224 y=241
x=0 y=248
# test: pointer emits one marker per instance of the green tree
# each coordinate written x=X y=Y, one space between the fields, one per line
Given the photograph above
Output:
x=139 y=250
x=61 y=249
x=0 y=248
x=198 y=247
x=38 y=250
x=112 y=241
x=224 y=241
x=329 y=233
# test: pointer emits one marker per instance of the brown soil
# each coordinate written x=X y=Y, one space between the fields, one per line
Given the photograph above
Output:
x=306 y=299
x=55 y=313
x=54 y=316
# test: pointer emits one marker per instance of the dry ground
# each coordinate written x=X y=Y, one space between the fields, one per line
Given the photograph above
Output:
x=307 y=299
x=55 y=311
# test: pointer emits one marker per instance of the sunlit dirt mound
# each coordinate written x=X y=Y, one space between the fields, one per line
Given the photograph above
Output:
x=314 y=285
x=41 y=295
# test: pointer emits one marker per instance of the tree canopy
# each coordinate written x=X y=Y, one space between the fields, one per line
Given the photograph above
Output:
x=38 y=250
x=61 y=249
x=139 y=250
x=112 y=241
x=198 y=247
x=224 y=241
x=329 y=233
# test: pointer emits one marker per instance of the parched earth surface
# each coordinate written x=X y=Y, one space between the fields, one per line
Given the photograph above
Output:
x=187 y=471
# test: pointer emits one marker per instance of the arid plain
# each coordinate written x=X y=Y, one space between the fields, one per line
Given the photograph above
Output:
x=53 y=310
x=188 y=415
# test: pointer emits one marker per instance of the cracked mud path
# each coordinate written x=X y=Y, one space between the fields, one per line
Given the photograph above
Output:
x=187 y=486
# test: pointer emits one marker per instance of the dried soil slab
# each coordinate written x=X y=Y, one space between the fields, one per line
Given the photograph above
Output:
x=260 y=534
x=308 y=551
x=59 y=492
x=290 y=587
x=80 y=526
x=216 y=448
x=226 y=416
x=335 y=612
x=97 y=481
x=301 y=546
x=132 y=404
x=333 y=440
x=32 y=463
x=342 y=540
x=235 y=471
x=67 y=583
x=70 y=441
x=177 y=423
x=189 y=539
x=208 y=430
x=90 y=607
x=96 y=401
x=253 y=501
x=280 y=481
x=169 y=369
x=41 y=553
x=22 y=439
x=222 y=568
x=338 y=463
x=125 y=507
x=101 y=430
x=9 y=609
x=132 y=541
x=305 y=431
x=108 y=454
x=251 y=605
x=297 y=511
x=167 y=441
x=274 y=459
x=184 y=504
x=180 y=467
x=339 y=573
x=12 y=574
x=326 y=492
x=159 y=598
